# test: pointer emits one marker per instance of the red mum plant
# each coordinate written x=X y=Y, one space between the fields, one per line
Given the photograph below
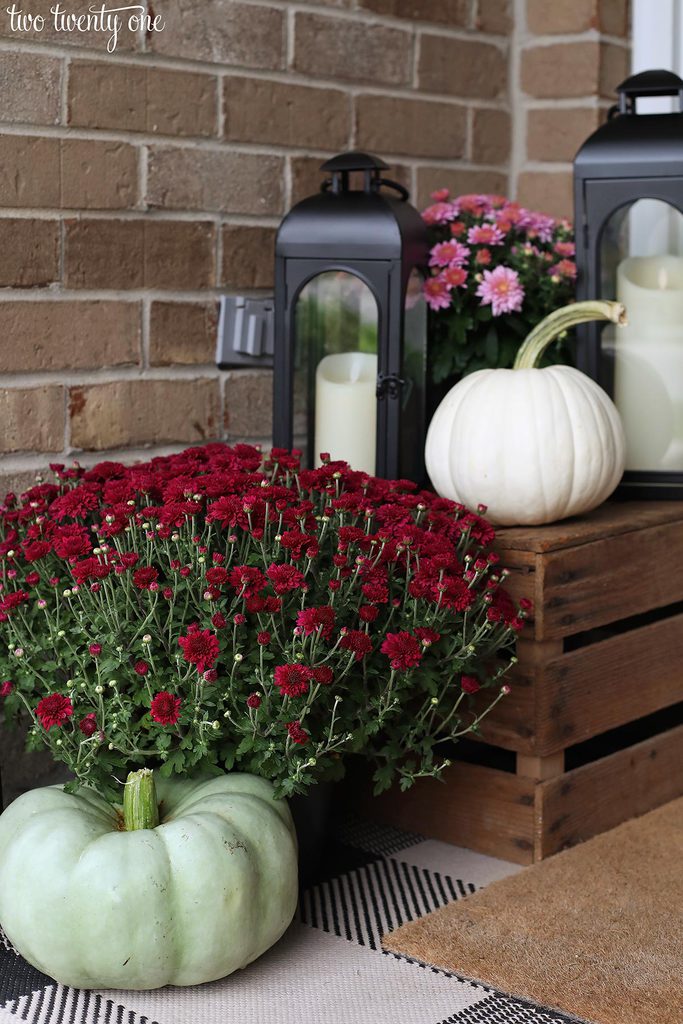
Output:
x=213 y=609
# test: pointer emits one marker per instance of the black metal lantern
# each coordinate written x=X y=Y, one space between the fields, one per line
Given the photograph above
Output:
x=350 y=354
x=628 y=198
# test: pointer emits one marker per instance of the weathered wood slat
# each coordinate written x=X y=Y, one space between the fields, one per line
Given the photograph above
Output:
x=480 y=808
x=598 y=796
x=609 y=520
x=586 y=692
x=609 y=580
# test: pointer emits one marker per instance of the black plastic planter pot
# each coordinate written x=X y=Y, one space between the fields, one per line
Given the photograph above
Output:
x=311 y=813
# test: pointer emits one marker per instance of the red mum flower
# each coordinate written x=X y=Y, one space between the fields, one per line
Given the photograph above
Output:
x=358 y=641
x=71 y=541
x=263 y=638
x=323 y=675
x=427 y=636
x=246 y=580
x=292 y=680
x=165 y=708
x=469 y=684
x=88 y=725
x=6 y=688
x=13 y=600
x=297 y=733
x=312 y=620
x=32 y=578
x=219 y=621
x=145 y=576
x=36 y=550
x=298 y=543
x=217 y=576
x=402 y=650
x=254 y=700
x=54 y=710
x=90 y=569
x=141 y=668
x=368 y=613
x=285 y=578
x=95 y=650
x=200 y=648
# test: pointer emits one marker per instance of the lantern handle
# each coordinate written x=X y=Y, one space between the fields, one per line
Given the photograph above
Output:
x=657 y=82
x=401 y=189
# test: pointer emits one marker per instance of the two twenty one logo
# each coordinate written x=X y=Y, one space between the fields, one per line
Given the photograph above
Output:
x=109 y=20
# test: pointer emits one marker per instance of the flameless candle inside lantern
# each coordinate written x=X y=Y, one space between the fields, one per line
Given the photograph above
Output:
x=648 y=361
x=346 y=409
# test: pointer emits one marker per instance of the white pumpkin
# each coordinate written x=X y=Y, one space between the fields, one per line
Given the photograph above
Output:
x=533 y=445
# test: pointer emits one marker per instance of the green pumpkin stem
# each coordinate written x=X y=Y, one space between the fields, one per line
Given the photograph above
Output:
x=140 y=807
x=561 y=320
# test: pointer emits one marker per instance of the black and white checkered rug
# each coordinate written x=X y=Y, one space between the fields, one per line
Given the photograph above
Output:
x=329 y=968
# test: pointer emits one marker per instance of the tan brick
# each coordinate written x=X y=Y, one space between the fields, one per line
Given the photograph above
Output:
x=138 y=99
x=215 y=180
x=454 y=13
x=98 y=175
x=458 y=181
x=69 y=173
x=490 y=136
x=182 y=333
x=462 y=67
x=547 y=192
x=32 y=419
x=248 y=255
x=30 y=171
x=615 y=63
x=248 y=404
x=389 y=124
x=352 y=50
x=545 y=18
x=561 y=70
x=557 y=134
x=306 y=176
x=614 y=17
x=139 y=254
x=609 y=16
x=138 y=412
x=68 y=335
x=223 y=32
x=30 y=88
x=29 y=252
x=285 y=115
x=494 y=16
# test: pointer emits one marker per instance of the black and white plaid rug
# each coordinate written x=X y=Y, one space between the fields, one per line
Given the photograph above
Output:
x=329 y=968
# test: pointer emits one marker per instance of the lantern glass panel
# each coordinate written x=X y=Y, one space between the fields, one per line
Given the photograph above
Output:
x=335 y=370
x=413 y=395
x=642 y=267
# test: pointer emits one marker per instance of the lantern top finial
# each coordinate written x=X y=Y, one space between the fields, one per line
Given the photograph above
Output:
x=354 y=161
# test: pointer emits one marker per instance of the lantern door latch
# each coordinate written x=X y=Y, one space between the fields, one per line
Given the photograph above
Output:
x=389 y=384
x=245 y=331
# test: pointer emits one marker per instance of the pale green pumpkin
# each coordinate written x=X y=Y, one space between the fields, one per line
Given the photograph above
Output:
x=198 y=896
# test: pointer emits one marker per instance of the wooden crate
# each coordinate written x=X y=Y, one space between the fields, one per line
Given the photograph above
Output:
x=605 y=649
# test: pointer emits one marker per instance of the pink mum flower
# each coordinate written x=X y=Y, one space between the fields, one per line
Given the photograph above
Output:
x=454 y=277
x=501 y=289
x=485 y=234
x=437 y=293
x=565 y=249
x=441 y=195
x=565 y=268
x=439 y=213
x=449 y=254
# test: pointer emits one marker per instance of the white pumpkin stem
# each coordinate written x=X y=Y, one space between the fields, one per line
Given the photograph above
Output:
x=140 y=807
x=561 y=320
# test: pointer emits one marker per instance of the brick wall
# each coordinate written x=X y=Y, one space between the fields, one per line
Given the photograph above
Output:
x=135 y=187
x=568 y=58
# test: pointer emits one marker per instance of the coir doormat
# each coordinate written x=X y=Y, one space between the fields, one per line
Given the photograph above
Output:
x=596 y=931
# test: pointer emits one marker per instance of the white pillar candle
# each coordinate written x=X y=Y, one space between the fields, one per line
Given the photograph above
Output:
x=346 y=409
x=648 y=361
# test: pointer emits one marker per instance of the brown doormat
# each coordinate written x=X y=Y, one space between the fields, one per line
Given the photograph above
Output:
x=596 y=931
